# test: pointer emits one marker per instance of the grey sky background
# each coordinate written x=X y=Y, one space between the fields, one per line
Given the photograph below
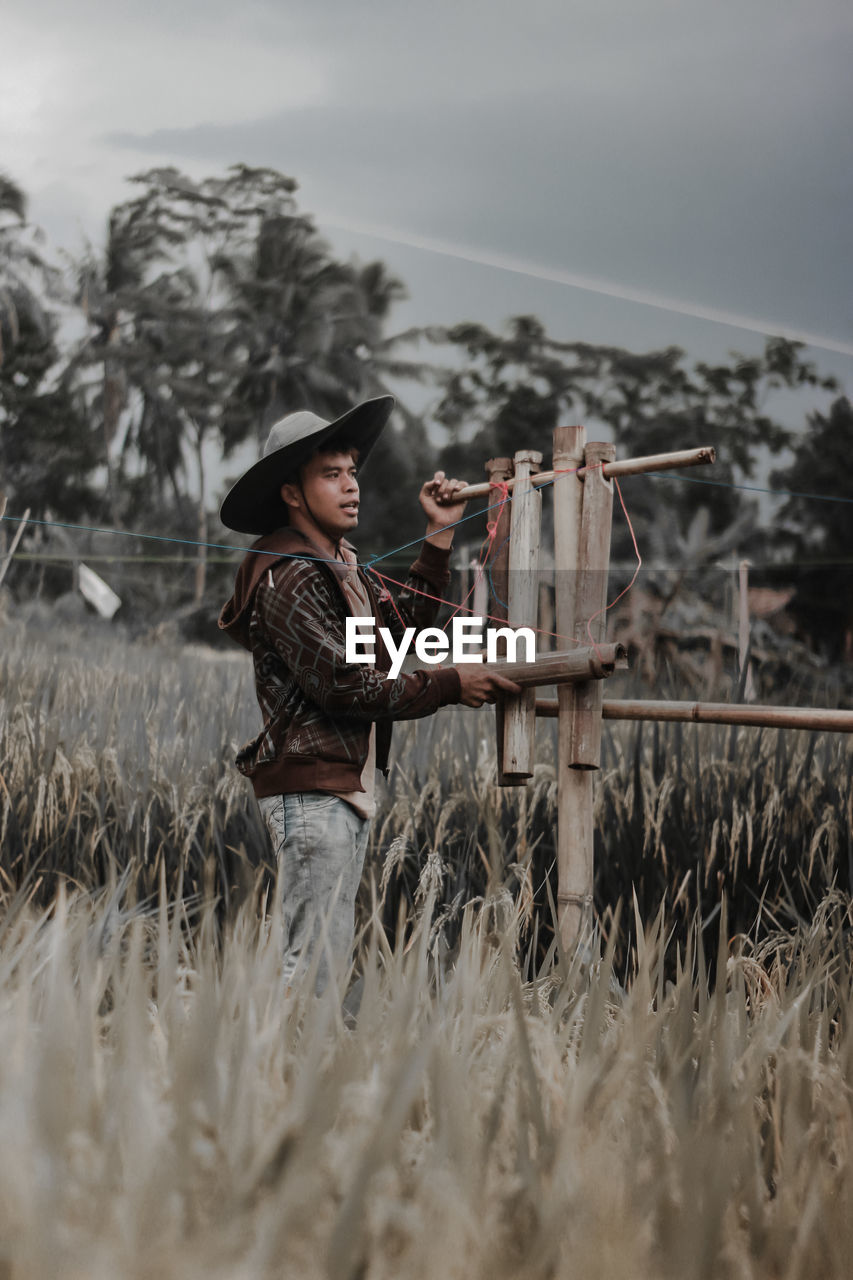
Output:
x=496 y=155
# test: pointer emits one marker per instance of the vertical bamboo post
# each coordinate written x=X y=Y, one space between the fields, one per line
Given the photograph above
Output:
x=520 y=711
x=480 y=598
x=574 y=787
x=743 y=632
x=590 y=619
x=464 y=559
x=19 y=533
x=499 y=470
x=546 y=618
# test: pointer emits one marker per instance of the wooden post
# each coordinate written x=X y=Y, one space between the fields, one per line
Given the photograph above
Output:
x=591 y=621
x=464 y=563
x=546 y=617
x=14 y=547
x=499 y=471
x=743 y=632
x=480 y=599
x=574 y=788
x=520 y=712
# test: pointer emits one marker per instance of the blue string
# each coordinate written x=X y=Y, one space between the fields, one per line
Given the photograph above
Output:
x=152 y=537
x=225 y=546
x=476 y=515
x=748 y=488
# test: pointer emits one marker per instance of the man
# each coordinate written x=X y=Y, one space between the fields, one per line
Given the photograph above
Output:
x=327 y=722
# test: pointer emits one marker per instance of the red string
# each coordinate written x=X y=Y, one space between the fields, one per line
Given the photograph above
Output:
x=487 y=548
x=489 y=545
x=492 y=525
x=633 y=580
x=388 y=597
x=489 y=617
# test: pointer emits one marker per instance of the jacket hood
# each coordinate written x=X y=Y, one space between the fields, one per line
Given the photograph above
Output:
x=264 y=554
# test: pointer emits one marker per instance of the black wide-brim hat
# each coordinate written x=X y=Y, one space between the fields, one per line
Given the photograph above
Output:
x=254 y=503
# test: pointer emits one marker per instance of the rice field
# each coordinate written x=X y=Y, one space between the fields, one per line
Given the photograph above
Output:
x=674 y=1099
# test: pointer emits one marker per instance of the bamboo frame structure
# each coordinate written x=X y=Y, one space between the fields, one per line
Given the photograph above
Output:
x=623 y=467
x=755 y=715
x=582 y=524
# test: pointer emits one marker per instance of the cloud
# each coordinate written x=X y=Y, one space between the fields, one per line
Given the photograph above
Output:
x=699 y=152
x=714 y=208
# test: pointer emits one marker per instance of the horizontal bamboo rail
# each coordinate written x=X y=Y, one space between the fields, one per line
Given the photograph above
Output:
x=565 y=667
x=624 y=467
x=718 y=713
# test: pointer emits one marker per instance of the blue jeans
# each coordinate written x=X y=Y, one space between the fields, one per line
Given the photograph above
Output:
x=319 y=842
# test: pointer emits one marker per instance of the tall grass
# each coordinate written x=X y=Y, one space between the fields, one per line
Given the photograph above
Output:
x=166 y=1110
x=116 y=759
x=679 y=1107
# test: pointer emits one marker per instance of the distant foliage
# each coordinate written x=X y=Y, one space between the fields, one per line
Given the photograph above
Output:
x=515 y=387
x=822 y=531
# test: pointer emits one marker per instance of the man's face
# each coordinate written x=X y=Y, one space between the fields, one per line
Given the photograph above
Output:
x=330 y=489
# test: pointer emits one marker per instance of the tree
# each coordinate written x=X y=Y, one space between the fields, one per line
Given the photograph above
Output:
x=516 y=388
x=47 y=455
x=218 y=308
x=305 y=328
x=818 y=535
x=161 y=328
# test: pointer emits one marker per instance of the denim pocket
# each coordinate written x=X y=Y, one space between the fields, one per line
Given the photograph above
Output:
x=273 y=814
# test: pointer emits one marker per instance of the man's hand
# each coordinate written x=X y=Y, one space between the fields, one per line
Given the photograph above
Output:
x=437 y=497
x=480 y=686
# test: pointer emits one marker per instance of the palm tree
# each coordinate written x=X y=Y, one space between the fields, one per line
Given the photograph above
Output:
x=24 y=274
x=300 y=324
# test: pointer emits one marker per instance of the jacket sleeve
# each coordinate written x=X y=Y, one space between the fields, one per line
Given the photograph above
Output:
x=303 y=623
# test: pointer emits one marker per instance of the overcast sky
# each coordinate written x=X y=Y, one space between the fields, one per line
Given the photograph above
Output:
x=698 y=156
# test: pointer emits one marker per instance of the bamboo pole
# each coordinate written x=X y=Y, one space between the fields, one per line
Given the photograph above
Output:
x=525 y=518
x=547 y=623
x=567 y=666
x=590 y=618
x=499 y=471
x=19 y=533
x=743 y=632
x=624 y=467
x=816 y=718
x=575 y=831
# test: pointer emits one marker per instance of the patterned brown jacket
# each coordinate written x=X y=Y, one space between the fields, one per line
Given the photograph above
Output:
x=289 y=610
